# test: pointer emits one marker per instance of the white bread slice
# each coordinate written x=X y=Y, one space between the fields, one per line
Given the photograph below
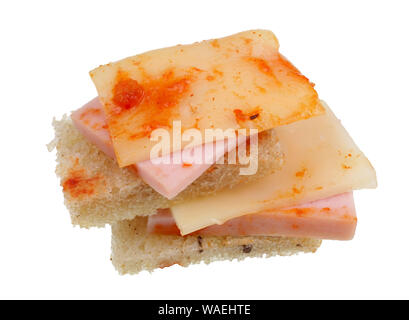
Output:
x=98 y=192
x=133 y=250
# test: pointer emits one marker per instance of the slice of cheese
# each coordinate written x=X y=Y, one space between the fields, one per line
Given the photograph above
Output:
x=240 y=81
x=321 y=160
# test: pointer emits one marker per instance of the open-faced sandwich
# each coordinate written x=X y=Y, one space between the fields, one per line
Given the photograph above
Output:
x=216 y=150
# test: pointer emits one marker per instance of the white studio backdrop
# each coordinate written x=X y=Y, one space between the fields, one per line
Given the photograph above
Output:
x=356 y=52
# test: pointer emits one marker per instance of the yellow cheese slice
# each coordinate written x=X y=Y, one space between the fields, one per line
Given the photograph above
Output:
x=240 y=81
x=321 y=160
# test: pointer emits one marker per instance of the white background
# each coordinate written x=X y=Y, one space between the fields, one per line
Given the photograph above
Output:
x=355 y=51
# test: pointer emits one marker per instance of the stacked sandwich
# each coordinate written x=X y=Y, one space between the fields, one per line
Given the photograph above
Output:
x=139 y=157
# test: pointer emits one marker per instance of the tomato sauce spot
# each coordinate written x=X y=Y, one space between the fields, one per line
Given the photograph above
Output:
x=301 y=173
x=90 y=112
x=218 y=72
x=276 y=66
x=215 y=43
x=241 y=116
x=262 y=66
x=151 y=101
x=300 y=212
x=78 y=184
x=127 y=93
x=281 y=64
x=297 y=190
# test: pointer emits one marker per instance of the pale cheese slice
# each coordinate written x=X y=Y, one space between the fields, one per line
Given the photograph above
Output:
x=240 y=81
x=321 y=160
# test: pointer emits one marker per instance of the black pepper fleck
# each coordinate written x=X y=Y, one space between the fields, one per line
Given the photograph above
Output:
x=254 y=116
x=199 y=241
x=247 y=248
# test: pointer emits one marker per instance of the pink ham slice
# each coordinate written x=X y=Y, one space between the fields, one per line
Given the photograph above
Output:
x=332 y=218
x=171 y=179
x=167 y=178
x=91 y=122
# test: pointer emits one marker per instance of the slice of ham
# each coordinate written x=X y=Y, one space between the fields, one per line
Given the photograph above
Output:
x=172 y=178
x=91 y=122
x=332 y=218
x=167 y=175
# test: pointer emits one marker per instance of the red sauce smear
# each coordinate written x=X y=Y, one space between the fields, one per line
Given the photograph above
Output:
x=300 y=212
x=282 y=62
x=277 y=65
x=161 y=93
x=297 y=190
x=78 y=184
x=151 y=101
x=127 y=93
x=301 y=173
x=241 y=116
x=215 y=44
x=88 y=112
